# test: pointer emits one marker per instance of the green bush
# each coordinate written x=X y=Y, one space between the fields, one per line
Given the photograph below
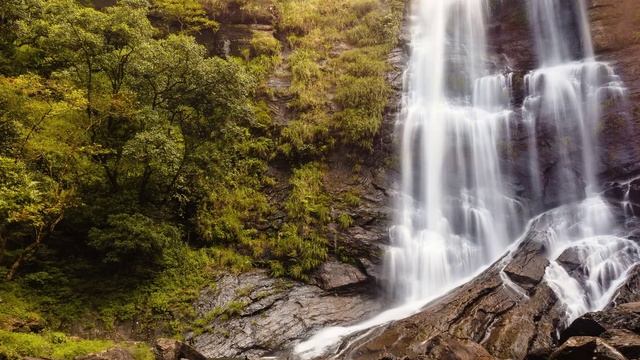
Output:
x=300 y=245
x=57 y=346
x=263 y=43
x=308 y=135
x=133 y=238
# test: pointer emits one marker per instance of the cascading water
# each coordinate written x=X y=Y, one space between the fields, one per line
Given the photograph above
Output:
x=457 y=211
x=563 y=101
x=456 y=214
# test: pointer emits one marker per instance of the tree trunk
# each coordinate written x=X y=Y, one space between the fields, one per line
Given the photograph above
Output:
x=30 y=250
x=41 y=233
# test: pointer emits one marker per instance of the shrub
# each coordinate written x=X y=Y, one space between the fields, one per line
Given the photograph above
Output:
x=133 y=238
x=57 y=346
x=358 y=126
x=299 y=245
x=308 y=135
x=263 y=43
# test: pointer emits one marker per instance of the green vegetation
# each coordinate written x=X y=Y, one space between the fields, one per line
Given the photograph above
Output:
x=57 y=346
x=339 y=58
x=136 y=163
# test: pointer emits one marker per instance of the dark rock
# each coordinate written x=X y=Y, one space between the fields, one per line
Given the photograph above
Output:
x=626 y=342
x=626 y=316
x=614 y=192
x=26 y=326
x=333 y=275
x=634 y=191
x=529 y=263
x=170 y=349
x=584 y=348
x=111 y=354
x=630 y=290
x=449 y=348
x=570 y=260
x=585 y=325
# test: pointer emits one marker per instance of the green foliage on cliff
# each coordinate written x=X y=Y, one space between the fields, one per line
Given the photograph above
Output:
x=58 y=346
x=136 y=163
x=339 y=58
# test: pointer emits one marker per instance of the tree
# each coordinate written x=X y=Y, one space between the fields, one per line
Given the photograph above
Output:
x=133 y=238
x=32 y=202
x=189 y=15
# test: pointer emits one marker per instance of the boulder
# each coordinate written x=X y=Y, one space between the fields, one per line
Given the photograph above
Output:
x=528 y=265
x=625 y=316
x=570 y=260
x=585 y=348
x=450 y=348
x=170 y=349
x=333 y=275
x=625 y=341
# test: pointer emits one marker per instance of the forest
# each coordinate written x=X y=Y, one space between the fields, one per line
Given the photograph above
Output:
x=319 y=179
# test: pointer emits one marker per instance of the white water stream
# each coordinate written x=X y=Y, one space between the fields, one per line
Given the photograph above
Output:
x=457 y=212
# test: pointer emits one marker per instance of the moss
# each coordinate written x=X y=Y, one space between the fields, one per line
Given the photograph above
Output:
x=345 y=221
x=351 y=198
x=244 y=291
x=16 y=309
x=58 y=346
x=307 y=136
x=339 y=57
x=263 y=43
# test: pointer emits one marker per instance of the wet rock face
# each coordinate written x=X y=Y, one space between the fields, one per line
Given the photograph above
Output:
x=251 y=315
x=528 y=265
x=613 y=25
x=334 y=275
x=485 y=316
x=625 y=316
x=610 y=334
x=586 y=347
x=629 y=292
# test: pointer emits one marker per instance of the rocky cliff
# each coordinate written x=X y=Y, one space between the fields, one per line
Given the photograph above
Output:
x=252 y=314
x=507 y=312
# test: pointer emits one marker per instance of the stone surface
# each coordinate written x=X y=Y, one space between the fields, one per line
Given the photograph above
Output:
x=333 y=275
x=630 y=290
x=170 y=349
x=485 y=311
x=269 y=314
x=585 y=348
x=449 y=348
x=625 y=316
x=528 y=264
x=626 y=342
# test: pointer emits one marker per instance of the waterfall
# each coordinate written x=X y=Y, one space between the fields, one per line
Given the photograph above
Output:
x=457 y=211
x=564 y=97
